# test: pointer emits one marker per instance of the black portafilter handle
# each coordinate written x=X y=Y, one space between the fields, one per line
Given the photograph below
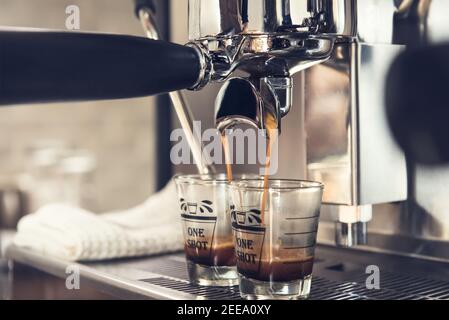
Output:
x=417 y=99
x=46 y=66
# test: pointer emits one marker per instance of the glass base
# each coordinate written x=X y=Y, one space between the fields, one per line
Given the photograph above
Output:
x=212 y=276
x=251 y=289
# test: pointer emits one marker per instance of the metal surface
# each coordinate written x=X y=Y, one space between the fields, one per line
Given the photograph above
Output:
x=266 y=97
x=256 y=95
x=367 y=162
x=355 y=157
x=210 y=18
x=351 y=234
x=339 y=275
x=345 y=55
x=375 y=26
x=406 y=245
x=261 y=39
x=261 y=55
x=120 y=279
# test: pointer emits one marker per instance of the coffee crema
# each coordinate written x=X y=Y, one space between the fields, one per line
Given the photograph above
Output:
x=221 y=255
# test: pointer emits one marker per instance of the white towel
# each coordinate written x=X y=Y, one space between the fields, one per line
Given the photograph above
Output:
x=74 y=234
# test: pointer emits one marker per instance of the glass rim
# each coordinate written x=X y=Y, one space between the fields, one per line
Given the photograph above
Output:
x=215 y=178
x=295 y=184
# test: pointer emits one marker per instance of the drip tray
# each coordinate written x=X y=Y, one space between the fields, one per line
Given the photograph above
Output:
x=338 y=275
x=350 y=284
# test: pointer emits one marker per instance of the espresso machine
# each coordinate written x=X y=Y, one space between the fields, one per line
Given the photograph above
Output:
x=342 y=59
x=318 y=67
x=321 y=68
x=324 y=65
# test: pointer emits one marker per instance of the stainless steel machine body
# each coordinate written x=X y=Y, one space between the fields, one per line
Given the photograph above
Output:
x=337 y=53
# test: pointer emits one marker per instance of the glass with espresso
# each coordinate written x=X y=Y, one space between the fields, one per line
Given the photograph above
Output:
x=275 y=224
x=206 y=221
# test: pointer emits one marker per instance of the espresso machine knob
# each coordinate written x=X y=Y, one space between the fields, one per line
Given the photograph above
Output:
x=417 y=99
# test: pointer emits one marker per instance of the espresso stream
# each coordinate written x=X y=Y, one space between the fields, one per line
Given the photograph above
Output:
x=279 y=266
x=271 y=127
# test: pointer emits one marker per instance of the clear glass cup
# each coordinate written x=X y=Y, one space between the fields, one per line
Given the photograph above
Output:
x=205 y=213
x=275 y=242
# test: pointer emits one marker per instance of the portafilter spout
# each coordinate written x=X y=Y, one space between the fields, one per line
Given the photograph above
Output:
x=269 y=61
x=251 y=102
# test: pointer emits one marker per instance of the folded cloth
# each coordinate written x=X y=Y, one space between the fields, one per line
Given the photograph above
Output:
x=74 y=234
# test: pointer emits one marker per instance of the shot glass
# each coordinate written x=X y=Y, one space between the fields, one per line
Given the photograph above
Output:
x=206 y=220
x=275 y=227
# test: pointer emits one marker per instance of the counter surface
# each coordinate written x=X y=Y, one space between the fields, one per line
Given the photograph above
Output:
x=339 y=274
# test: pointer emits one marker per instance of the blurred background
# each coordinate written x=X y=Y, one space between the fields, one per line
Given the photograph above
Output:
x=107 y=147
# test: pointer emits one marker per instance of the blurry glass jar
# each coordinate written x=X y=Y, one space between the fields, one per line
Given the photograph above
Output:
x=60 y=174
x=13 y=203
x=6 y=274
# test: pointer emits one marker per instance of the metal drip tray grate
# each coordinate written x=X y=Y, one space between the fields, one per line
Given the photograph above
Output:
x=165 y=276
x=323 y=290
x=409 y=287
x=171 y=273
x=217 y=293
